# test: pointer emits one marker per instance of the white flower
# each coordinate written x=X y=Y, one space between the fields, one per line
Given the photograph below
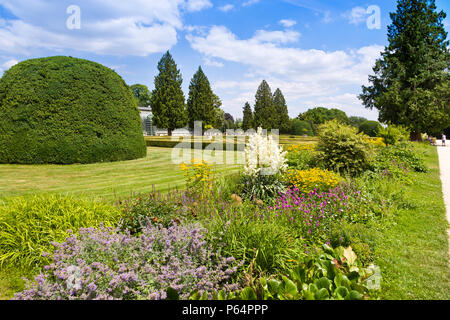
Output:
x=264 y=156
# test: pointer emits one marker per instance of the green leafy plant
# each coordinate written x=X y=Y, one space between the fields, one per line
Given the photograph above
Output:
x=393 y=134
x=154 y=208
x=342 y=149
x=332 y=275
x=29 y=226
x=262 y=187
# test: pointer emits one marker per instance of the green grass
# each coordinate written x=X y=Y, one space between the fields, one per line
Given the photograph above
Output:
x=100 y=180
x=413 y=250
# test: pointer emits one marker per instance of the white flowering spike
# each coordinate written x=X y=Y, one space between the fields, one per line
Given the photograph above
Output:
x=264 y=156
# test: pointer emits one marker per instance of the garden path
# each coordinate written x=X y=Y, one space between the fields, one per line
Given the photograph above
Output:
x=444 y=163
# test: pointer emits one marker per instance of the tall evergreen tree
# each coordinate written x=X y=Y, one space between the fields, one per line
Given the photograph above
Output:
x=284 y=122
x=265 y=115
x=200 y=104
x=167 y=101
x=247 y=122
x=411 y=82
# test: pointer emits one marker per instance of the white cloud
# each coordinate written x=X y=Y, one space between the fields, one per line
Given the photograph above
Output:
x=327 y=17
x=212 y=63
x=198 y=5
x=227 y=7
x=307 y=77
x=249 y=3
x=288 y=23
x=133 y=27
x=10 y=63
x=282 y=37
x=356 y=16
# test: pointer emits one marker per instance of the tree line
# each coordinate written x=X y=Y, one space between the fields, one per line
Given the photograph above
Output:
x=169 y=106
x=410 y=86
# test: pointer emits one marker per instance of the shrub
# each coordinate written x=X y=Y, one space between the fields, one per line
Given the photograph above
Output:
x=104 y=264
x=301 y=156
x=370 y=128
x=301 y=128
x=313 y=179
x=394 y=134
x=65 y=110
x=343 y=150
x=29 y=225
x=155 y=208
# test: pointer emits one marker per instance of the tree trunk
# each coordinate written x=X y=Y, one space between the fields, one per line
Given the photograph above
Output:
x=415 y=136
x=169 y=132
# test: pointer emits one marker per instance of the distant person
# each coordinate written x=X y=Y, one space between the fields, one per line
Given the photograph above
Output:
x=444 y=137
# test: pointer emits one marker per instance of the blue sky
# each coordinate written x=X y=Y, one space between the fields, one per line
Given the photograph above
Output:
x=318 y=52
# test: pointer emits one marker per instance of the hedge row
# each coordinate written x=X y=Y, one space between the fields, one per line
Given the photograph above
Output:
x=204 y=144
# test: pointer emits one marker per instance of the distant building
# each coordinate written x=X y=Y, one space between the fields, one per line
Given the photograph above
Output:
x=147 y=121
x=151 y=130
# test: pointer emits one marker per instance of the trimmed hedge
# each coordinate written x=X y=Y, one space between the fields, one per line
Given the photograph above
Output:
x=64 y=110
x=205 y=144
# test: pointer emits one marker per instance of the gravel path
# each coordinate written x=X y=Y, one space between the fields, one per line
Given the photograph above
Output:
x=444 y=164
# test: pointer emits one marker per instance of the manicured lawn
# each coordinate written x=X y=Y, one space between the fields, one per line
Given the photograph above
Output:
x=413 y=250
x=103 y=180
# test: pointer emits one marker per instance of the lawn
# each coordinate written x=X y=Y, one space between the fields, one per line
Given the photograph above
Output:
x=413 y=249
x=102 y=180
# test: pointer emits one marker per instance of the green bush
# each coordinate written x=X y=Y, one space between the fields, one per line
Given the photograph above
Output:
x=152 y=208
x=300 y=128
x=394 y=134
x=342 y=149
x=28 y=226
x=370 y=128
x=64 y=110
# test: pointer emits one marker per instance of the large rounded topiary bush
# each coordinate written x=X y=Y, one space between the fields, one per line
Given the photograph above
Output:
x=65 y=110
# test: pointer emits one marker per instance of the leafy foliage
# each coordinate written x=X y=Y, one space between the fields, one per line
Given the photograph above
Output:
x=393 y=134
x=142 y=94
x=64 y=110
x=301 y=157
x=28 y=226
x=343 y=150
x=411 y=85
x=301 y=128
x=370 y=128
x=332 y=275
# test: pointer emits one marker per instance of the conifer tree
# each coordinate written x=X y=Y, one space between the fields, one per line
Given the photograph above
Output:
x=265 y=115
x=411 y=85
x=247 y=122
x=200 y=104
x=167 y=101
x=284 y=123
